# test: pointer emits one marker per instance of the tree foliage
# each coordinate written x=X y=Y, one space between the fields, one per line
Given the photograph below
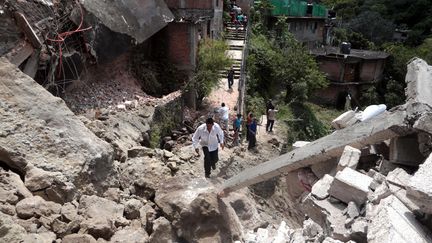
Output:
x=404 y=14
x=374 y=27
x=279 y=62
x=211 y=59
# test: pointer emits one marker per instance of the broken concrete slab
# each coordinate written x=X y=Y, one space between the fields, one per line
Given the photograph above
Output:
x=138 y=19
x=328 y=215
x=39 y=129
x=350 y=185
x=391 y=221
x=419 y=81
x=384 y=126
x=321 y=187
x=420 y=186
x=398 y=177
x=405 y=150
x=116 y=25
x=350 y=158
x=401 y=194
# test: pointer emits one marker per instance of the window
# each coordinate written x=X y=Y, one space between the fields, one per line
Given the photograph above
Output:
x=217 y=3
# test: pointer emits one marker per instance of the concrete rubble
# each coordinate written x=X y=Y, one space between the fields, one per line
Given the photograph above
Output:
x=65 y=178
x=382 y=200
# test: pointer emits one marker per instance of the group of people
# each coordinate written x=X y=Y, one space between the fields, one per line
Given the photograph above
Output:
x=238 y=18
x=210 y=135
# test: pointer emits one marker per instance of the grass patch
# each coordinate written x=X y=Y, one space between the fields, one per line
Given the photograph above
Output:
x=306 y=121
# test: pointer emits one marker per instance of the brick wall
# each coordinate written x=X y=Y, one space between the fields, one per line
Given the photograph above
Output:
x=179 y=44
x=192 y=4
x=182 y=45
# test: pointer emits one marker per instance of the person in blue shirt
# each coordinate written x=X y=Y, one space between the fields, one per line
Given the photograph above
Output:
x=252 y=133
x=237 y=126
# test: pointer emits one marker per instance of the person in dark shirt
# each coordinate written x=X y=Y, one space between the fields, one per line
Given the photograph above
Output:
x=230 y=77
x=252 y=133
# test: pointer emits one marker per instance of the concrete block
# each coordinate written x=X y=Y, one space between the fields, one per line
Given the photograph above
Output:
x=350 y=185
x=392 y=221
x=420 y=186
x=349 y=158
x=405 y=151
x=321 y=187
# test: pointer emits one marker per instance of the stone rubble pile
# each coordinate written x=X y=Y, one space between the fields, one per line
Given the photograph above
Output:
x=69 y=179
x=381 y=192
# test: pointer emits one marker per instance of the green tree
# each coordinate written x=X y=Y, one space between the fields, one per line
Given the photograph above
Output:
x=297 y=70
x=374 y=27
x=357 y=40
x=211 y=59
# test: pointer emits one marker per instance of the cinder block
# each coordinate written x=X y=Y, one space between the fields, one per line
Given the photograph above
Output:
x=350 y=185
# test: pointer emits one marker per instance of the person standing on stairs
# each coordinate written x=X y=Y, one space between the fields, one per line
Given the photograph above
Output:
x=209 y=135
x=230 y=77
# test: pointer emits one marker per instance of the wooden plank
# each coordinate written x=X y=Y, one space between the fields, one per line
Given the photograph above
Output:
x=32 y=64
x=19 y=55
x=28 y=30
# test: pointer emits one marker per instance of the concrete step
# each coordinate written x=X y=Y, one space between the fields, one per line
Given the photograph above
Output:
x=235 y=48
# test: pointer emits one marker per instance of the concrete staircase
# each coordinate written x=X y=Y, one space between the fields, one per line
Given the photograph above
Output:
x=235 y=39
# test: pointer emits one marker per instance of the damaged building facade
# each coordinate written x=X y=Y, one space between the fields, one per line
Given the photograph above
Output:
x=55 y=41
x=349 y=72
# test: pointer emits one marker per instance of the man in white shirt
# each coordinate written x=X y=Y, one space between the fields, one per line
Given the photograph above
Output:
x=271 y=117
x=224 y=116
x=209 y=136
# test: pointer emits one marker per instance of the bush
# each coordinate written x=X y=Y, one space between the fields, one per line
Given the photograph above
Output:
x=211 y=59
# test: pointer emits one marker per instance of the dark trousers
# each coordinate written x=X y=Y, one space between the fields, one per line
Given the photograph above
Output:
x=252 y=140
x=230 y=82
x=210 y=159
x=247 y=133
x=269 y=126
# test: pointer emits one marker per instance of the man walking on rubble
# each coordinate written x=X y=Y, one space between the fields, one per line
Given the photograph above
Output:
x=209 y=135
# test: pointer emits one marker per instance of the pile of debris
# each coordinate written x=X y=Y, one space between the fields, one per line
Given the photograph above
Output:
x=382 y=193
x=370 y=181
